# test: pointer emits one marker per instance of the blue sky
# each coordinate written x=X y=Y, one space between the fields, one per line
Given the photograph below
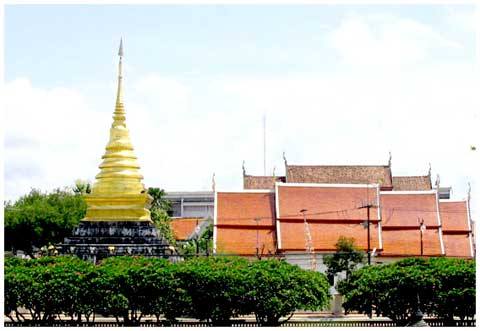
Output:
x=338 y=84
x=189 y=40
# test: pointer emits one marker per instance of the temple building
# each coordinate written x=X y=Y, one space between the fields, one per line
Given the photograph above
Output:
x=118 y=220
x=302 y=215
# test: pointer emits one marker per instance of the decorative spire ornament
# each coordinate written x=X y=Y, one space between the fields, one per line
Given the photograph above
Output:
x=118 y=193
x=213 y=182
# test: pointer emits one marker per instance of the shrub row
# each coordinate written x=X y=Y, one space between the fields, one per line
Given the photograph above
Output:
x=444 y=287
x=214 y=289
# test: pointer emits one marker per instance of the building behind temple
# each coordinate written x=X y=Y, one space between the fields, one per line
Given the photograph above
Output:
x=302 y=214
x=191 y=213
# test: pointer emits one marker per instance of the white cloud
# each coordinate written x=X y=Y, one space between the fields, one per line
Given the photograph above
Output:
x=386 y=40
x=185 y=131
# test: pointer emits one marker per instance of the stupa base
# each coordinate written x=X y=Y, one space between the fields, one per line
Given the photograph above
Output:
x=96 y=240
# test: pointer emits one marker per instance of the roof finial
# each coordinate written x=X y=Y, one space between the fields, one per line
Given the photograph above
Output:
x=469 y=191
x=285 y=159
x=213 y=182
x=120 y=49
x=389 y=159
x=429 y=169
x=119 y=104
x=273 y=173
x=437 y=181
x=243 y=168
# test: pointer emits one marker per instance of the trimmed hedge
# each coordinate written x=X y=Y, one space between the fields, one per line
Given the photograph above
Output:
x=213 y=289
x=444 y=287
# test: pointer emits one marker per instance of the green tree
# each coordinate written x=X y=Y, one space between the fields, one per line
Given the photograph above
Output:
x=441 y=286
x=204 y=244
x=82 y=187
x=132 y=287
x=159 y=214
x=48 y=287
x=454 y=293
x=276 y=289
x=215 y=287
x=346 y=258
x=38 y=219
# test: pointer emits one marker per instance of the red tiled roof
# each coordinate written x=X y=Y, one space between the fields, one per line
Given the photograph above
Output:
x=401 y=213
x=454 y=215
x=242 y=208
x=340 y=174
x=326 y=202
x=457 y=245
x=411 y=183
x=455 y=228
x=261 y=182
x=325 y=235
x=405 y=242
x=407 y=209
x=332 y=211
x=236 y=224
x=243 y=241
x=183 y=227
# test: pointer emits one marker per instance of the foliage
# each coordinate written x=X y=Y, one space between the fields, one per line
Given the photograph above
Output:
x=277 y=289
x=346 y=258
x=82 y=187
x=398 y=290
x=204 y=243
x=159 y=213
x=158 y=199
x=38 y=219
x=47 y=287
x=129 y=288
x=454 y=294
x=215 y=287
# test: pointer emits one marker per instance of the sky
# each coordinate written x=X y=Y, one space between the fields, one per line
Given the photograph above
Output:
x=337 y=84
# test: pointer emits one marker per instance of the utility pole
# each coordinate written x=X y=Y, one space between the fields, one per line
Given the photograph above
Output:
x=258 y=241
x=422 y=228
x=308 y=242
x=264 y=144
x=369 y=257
x=197 y=249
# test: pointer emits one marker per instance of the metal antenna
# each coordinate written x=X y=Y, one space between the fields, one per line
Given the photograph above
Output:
x=264 y=144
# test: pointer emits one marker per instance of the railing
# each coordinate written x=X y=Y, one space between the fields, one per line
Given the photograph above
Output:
x=234 y=323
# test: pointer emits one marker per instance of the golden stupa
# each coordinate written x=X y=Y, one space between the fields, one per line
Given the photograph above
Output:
x=118 y=193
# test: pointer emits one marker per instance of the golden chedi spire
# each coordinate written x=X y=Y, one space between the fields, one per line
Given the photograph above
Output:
x=118 y=193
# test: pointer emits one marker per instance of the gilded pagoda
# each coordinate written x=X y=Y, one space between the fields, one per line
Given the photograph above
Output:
x=118 y=193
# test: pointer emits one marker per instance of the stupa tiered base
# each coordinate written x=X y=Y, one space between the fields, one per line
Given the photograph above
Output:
x=96 y=240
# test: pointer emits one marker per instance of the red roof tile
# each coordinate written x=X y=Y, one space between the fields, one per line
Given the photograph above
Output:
x=243 y=208
x=401 y=215
x=243 y=241
x=411 y=183
x=326 y=202
x=403 y=209
x=183 y=227
x=340 y=174
x=325 y=235
x=261 y=182
x=455 y=227
x=454 y=215
x=457 y=245
x=236 y=224
x=405 y=242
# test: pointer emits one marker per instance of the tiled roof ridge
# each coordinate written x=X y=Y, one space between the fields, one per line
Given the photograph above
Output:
x=339 y=165
x=263 y=176
x=416 y=176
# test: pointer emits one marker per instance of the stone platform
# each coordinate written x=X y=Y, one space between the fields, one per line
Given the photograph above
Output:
x=95 y=240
